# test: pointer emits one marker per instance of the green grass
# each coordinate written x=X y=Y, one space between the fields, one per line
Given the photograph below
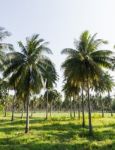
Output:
x=58 y=133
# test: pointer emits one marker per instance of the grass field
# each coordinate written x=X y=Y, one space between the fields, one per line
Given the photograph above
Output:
x=58 y=133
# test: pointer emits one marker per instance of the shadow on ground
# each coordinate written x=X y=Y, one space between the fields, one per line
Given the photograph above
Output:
x=62 y=134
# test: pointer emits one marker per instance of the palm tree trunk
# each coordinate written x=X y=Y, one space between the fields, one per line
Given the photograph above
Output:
x=110 y=103
x=83 y=115
x=27 y=114
x=13 y=103
x=47 y=105
x=102 y=109
x=50 y=109
x=111 y=111
x=31 y=113
x=74 y=107
x=79 y=116
x=22 y=113
x=5 y=111
x=89 y=111
x=70 y=108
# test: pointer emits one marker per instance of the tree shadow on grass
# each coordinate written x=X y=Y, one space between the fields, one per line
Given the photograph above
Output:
x=77 y=130
x=63 y=144
x=60 y=134
x=58 y=126
x=22 y=121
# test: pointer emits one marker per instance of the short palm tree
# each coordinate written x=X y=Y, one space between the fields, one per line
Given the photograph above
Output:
x=84 y=63
x=26 y=69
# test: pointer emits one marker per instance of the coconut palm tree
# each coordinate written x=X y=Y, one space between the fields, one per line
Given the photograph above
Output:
x=50 y=80
x=4 y=90
x=50 y=96
x=26 y=69
x=104 y=84
x=109 y=84
x=58 y=102
x=84 y=63
x=33 y=103
x=4 y=47
x=71 y=92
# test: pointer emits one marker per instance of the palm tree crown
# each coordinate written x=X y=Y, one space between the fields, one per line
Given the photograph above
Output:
x=86 y=59
x=28 y=67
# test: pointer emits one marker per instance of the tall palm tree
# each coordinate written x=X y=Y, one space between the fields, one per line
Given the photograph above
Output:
x=84 y=63
x=26 y=69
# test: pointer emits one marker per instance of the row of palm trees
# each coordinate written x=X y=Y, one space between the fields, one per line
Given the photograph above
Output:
x=30 y=70
x=54 y=102
x=84 y=70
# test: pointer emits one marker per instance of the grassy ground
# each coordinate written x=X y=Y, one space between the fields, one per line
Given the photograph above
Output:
x=58 y=133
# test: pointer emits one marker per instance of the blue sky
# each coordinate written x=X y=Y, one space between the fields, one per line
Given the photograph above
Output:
x=58 y=21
